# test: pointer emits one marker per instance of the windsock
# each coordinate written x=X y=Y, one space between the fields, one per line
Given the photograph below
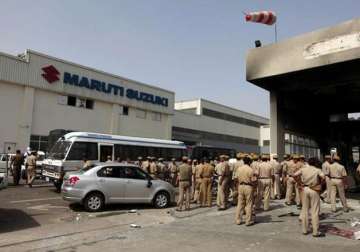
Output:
x=264 y=17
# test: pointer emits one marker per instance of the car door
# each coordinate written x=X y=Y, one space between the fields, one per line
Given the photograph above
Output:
x=112 y=183
x=137 y=186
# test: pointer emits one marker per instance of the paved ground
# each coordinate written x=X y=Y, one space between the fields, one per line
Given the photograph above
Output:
x=38 y=219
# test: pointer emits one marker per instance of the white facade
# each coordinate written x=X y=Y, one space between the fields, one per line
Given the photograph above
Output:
x=202 y=122
x=75 y=98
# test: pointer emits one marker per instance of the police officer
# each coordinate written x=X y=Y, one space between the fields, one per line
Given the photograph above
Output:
x=184 y=177
x=245 y=178
x=266 y=175
x=16 y=163
x=206 y=175
x=146 y=164
x=224 y=180
x=239 y=162
x=276 y=166
x=196 y=181
x=173 y=171
x=292 y=167
x=153 y=168
x=337 y=174
x=325 y=170
x=31 y=168
x=160 y=167
x=311 y=179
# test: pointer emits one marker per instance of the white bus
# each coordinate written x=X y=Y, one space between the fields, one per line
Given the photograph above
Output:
x=69 y=151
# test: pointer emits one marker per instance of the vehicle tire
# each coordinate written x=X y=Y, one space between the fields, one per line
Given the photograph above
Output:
x=94 y=202
x=161 y=200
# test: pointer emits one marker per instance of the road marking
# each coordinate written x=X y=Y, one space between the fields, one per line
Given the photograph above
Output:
x=45 y=207
x=33 y=200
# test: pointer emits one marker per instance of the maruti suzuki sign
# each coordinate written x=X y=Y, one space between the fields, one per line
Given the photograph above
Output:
x=51 y=74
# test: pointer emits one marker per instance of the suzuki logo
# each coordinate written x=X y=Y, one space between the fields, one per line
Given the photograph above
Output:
x=51 y=74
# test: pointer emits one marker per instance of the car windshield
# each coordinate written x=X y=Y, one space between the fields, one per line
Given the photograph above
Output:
x=59 y=150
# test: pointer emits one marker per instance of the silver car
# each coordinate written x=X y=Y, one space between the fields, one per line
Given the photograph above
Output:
x=107 y=183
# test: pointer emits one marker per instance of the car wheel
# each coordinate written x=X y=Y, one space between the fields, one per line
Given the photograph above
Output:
x=94 y=202
x=161 y=200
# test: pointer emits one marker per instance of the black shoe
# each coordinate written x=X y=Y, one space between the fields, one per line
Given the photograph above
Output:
x=305 y=233
x=288 y=204
x=346 y=210
x=298 y=206
x=319 y=235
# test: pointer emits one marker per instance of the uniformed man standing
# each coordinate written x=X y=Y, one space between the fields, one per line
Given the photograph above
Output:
x=31 y=168
x=266 y=175
x=184 y=177
x=224 y=180
x=284 y=168
x=239 y=162
x=245 y=178
x=146 y=165
x=337 y=174
x=325 y=170
x=153 y=168
x=173 y=171
x=197 y=182
x=292 y=167
x=206 y=174
x=160 y=167
x=16 y=163
x=311 y=179
x=276 y=166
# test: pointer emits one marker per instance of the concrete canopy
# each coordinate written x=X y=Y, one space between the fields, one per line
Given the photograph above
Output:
x=314 y=81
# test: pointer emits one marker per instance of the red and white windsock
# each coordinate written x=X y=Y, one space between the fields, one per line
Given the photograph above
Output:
x=264 y=17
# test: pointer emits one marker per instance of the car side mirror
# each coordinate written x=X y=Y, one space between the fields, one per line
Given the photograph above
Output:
x=149 y=183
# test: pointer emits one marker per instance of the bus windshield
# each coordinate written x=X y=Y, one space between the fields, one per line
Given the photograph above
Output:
x=59 y=150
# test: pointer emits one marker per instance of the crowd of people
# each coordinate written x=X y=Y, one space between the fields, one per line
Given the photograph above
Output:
x=250 y=181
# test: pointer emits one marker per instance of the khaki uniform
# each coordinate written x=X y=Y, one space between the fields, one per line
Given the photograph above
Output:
x=310 y=177
x=325 y=170
x=31 y=169
x=266 y=174
x=197 y=183
x=160 y=168
x=277 y=170
x=292 y=167
x=153 y=170
x=217 y=171
x=173 y=173
x=16 y=163
x=206 y=174
x=185 y=173
x=145 y=166
x=224 y=180
x=337 y=174
x=244 y=176
x=235 y=195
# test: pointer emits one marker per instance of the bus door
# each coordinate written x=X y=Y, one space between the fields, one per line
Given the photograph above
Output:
x=105 y=151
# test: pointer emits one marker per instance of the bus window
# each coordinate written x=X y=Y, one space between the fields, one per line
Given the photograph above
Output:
x=79 y=150
x=105 y=151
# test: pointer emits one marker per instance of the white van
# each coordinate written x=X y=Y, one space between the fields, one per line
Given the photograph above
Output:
x=69 y=151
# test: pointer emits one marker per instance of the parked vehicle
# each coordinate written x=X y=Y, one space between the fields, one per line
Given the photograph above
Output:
x=68 y=152
x=108 y=183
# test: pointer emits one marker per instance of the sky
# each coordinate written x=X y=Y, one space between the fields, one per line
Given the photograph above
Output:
x=196 y=48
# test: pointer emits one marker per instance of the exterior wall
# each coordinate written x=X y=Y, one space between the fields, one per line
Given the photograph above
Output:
x=264 y=137
x=29 y=105
x=204 y=122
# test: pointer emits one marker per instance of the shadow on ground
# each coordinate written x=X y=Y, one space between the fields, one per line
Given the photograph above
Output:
x=15 y=219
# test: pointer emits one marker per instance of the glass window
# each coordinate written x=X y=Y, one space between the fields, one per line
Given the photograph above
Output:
x=125 y=110
x=89 y=104
x=140 y=113
x=71 y=101
x=59 y=150
x=112 y=172
x=81 y=102
x=79 y=150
